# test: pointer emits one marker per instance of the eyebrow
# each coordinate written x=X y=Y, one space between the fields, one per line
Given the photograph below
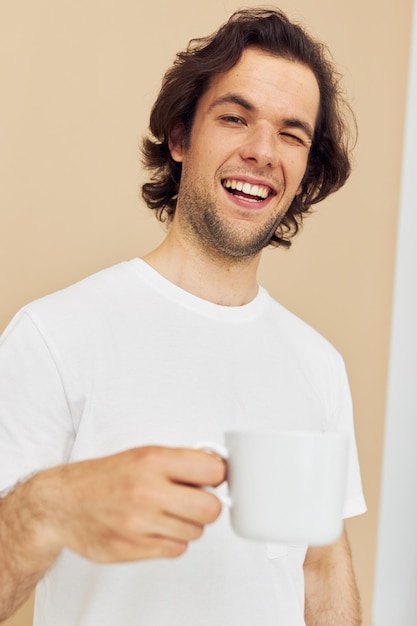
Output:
x=233 y=99
x=245 y=104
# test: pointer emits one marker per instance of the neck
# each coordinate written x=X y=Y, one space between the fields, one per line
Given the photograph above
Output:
x=229 y=282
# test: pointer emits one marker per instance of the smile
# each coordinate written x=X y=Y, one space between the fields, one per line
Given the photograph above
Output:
x=246 y=190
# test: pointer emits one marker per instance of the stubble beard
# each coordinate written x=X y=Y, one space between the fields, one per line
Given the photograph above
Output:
x=215 y=235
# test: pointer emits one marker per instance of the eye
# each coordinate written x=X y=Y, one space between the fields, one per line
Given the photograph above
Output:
x=232 y=120
x=295 y=140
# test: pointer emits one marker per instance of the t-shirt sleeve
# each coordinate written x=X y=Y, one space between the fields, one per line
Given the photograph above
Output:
x=36 y=429
x=344 y=422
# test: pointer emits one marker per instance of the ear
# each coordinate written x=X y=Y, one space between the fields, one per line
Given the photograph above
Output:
x=176 y=142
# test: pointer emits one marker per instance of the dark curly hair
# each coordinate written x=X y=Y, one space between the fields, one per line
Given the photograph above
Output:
x=189 y=78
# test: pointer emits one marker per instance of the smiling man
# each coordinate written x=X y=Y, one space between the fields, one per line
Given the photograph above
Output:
x=242 y=166
x=107 y=385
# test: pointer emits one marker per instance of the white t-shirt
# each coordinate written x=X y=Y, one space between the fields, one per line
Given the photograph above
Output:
x=125 y=358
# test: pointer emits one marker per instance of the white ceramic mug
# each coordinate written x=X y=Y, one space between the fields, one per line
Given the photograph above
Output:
x=285 y=486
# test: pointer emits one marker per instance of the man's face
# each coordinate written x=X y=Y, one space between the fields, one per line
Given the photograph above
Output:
x=246 y=155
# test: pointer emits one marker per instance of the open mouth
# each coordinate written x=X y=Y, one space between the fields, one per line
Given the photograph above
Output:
x=253 y=193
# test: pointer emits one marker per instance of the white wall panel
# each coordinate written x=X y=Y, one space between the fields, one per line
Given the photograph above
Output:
x=395 y=599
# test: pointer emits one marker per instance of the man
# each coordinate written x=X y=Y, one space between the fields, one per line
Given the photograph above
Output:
x=108 y=385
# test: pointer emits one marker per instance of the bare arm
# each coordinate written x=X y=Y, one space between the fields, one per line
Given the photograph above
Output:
x=23 y=560
x=331 y=594
x=139 y=504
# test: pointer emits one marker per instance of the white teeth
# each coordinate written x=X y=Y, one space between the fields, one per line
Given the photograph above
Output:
x=260 y=191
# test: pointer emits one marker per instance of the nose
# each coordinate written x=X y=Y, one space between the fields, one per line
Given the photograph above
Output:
x=261 y=146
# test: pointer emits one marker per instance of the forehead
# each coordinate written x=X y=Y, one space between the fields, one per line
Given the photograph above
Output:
x=271 y=83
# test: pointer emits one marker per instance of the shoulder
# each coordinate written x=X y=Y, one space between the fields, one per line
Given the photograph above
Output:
x=103 y=281
x=298 y=331
x=84 y=296
x=82 y=310
x=303 y=343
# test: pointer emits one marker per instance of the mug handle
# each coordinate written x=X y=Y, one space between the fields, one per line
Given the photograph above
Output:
x=219 y=450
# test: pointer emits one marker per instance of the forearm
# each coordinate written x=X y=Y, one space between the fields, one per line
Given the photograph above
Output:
x=26 y=549
x=331 y=593
x=143 y=503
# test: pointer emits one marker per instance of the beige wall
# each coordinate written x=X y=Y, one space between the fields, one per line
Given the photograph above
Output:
x=77 y=82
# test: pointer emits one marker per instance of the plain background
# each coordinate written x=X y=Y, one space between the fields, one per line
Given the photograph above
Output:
x=77 y=80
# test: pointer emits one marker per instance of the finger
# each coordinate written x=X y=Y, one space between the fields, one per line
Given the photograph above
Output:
x=177 y=529
x=192 y=504
x=121 y=550
x=195 y=467
x=164 y=525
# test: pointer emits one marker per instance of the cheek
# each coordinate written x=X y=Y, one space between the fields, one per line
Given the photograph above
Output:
x=201 y=162
x=297 y=169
